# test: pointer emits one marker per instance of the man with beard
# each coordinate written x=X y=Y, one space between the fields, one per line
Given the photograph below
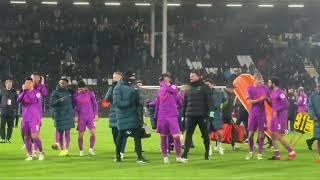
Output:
x=196 y=110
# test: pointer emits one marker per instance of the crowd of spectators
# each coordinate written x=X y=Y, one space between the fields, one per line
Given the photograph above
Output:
x=92 y=43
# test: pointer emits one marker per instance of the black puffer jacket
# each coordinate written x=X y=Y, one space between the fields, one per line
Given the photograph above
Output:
x=196 y=100
x=8 y=96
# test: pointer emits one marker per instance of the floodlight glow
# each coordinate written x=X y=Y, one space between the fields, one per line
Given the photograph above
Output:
x=234 y=5
x=18 y=2
x=49 y=2
x=296 y=5
x=142 y=4
x=204 y=5
x=173 y=4
x=266 y=5
x=112 y=4
x=81 y=3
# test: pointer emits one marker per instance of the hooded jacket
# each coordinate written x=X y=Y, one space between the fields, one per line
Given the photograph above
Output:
x=127 y=101
x=63 y=113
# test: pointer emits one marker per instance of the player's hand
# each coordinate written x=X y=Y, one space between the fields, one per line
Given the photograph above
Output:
x=62 y=99
x=96 y=118
x=23 y=87
x=275 y=114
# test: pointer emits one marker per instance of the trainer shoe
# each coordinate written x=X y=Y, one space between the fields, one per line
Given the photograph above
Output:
x=210 y=151
x=249 y=156
x=117 y=160
x=142 y=161
x=166 y=160
x=220 y=150
x=8 y=141
x=35 y=154
x=55 y=146
x=2 y=141
x=292 y=155
x=181 y=160
x=235 y=147
x=91 y=152
x=275 y=158
x=81 y=153
x=66 y=152
x=41 y=156
x=309 y=144
x=63 y=153
x=121 y=155
x=29 y=158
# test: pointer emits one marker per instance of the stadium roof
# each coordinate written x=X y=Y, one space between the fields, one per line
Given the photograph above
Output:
x=180 y=2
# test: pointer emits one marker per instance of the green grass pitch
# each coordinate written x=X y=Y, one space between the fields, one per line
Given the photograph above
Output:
x=230 y=166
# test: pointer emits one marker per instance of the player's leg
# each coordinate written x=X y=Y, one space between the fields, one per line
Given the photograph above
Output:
x=80 y=142
x=138 y=147
x=219 y=142
x=62 y=143
x=10 y=124
x=164 y=147
x=260 y=144
x=203 y=125
x=252 y=127
x=121 y=134
x=276 y=152
x=177 y=146
x=81 y=129
x=251 y=144
x=170 y=143
x=123 y=145
x=175 y=133
x=164 y=131
x=37 y=142
x=27 y=140
x=92 y=141
x=56 y=145
x=190 y=127
x=3 y=123
x=25 y=131
x=114 y=131
x=67 y=139
x=217 y=126
x=291 y=153
x=16 y=121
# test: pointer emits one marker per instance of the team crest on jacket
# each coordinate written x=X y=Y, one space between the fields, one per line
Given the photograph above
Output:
x=38 y=95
